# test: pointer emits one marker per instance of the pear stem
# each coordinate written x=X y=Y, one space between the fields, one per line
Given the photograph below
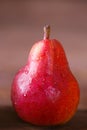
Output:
x=46 y=32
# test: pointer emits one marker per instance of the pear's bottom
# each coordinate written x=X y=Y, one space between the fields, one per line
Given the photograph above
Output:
x=47 y=122
x=45 y=117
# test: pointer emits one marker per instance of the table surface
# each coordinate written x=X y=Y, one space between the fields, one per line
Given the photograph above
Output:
x=10 y=121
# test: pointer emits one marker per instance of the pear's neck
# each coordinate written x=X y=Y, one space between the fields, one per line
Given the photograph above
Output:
x=46 y=32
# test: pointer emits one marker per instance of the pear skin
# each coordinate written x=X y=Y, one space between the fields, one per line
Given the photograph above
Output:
x=44 y=91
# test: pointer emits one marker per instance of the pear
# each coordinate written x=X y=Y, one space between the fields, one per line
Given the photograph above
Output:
x=45 y=92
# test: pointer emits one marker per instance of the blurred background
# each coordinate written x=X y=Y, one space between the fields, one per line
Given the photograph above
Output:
x=21 y=25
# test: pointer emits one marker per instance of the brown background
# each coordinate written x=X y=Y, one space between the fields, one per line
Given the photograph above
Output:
x=21 y=25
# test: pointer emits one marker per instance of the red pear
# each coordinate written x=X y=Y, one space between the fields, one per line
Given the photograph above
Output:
x=44 y=91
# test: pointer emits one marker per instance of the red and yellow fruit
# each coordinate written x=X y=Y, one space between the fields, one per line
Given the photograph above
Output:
x=44 y=91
